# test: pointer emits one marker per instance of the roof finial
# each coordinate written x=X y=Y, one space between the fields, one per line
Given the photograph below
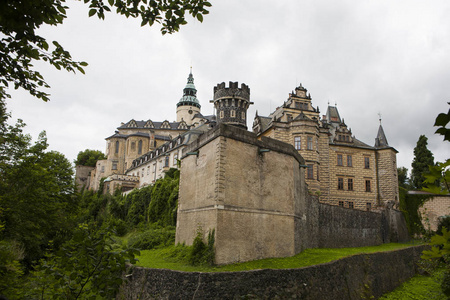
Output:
x=379 y=117
x=335 y=103
x=328 y=102
x=191 y=68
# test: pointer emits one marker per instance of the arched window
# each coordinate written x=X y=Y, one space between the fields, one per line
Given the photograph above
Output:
x=140 y=147
x=117 y=147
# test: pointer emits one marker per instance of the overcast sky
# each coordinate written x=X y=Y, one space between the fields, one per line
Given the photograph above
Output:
x=368 y=57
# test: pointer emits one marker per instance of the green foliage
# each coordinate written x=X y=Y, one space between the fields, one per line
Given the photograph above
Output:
x=137 y=203
x=403 y=180
x=440 y=255
x=154 y=237
x=85 y=267
x=409 y=205
x=443 y=222
x=89 y=158
x=422 y=159
x=437 y=180
x=11 y=253
x=21 y=46
x=37 y=199
x=417 y=288
x=442 y=121
x=202 y=253
x=164 y=199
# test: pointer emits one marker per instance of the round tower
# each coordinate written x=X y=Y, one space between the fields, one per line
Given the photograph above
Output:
x=231 y=103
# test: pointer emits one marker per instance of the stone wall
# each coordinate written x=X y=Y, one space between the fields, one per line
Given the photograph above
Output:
x=249 y=191
x=343 y=227
x=355 y=277
x=434 y=208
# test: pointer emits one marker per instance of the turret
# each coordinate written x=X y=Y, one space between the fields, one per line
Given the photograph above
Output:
x=188 y=106
x=231 y=103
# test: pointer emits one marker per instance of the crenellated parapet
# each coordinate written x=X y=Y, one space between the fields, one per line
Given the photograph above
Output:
x=231 y=103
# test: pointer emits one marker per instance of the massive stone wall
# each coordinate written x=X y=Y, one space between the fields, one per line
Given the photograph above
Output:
x=432 y=209
x=355 y=277
x=249 y=191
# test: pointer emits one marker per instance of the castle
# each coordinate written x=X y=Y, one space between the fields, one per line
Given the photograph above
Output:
x=297 y=181
x=340 y=169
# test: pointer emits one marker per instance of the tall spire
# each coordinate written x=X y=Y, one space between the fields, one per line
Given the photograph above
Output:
x=189 y=93
x=381 y=140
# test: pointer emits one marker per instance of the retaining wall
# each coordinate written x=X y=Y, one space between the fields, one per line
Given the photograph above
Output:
x=355 y=277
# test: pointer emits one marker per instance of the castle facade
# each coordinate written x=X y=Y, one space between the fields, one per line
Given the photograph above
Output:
x=340 y=169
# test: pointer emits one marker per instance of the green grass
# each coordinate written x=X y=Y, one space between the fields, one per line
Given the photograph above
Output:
x=165 y=259
x=419 y=287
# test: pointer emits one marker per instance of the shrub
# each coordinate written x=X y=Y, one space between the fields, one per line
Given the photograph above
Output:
x=202 y=253
x=153 y=238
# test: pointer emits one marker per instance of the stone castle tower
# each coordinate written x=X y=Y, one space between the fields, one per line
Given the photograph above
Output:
x=188 y=106
x=231 y=103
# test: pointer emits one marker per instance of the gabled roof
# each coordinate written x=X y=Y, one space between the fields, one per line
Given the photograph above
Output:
x=302 y=117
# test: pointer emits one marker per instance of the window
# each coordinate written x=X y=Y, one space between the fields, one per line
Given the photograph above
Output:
x=310 y=172
x=298 y=143
x=117 y=147
x=233 y=113
x=298 y=105
x=140 y=147
x=350 y=204
x=339 y=159
x=368 y=206
x=349 y=161
x=175 y=159
x=340 y=183
x=350 y=184
x=143 y=172
x=103 y=169
x=221 y=114
x=367 y=185
x=114 y=166
x=166 y=161
x=133 y=146
x=289 y=117
x=317 y=172
x=366 y=162
x=148 y=170
x=154 y=171
x=310 y=147
x=243 y=115
x=160 y=164
x=341 y=203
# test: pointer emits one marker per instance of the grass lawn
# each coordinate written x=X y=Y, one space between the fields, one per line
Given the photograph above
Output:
x=417 y=288
x=164 y=259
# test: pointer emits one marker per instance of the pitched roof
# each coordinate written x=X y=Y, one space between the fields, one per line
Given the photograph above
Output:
x=381 y=140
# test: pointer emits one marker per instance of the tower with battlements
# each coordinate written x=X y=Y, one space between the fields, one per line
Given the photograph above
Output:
x=231 y=103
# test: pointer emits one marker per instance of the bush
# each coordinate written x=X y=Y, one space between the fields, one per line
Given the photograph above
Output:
x=443 y=222
x=153 y=238
x=202 y=253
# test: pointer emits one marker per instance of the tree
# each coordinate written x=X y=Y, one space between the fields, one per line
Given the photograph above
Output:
x=37 y=202
x=422 y=159
x=440 y=173
x=21 y=46
x=403 y=180
x=89 y=157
